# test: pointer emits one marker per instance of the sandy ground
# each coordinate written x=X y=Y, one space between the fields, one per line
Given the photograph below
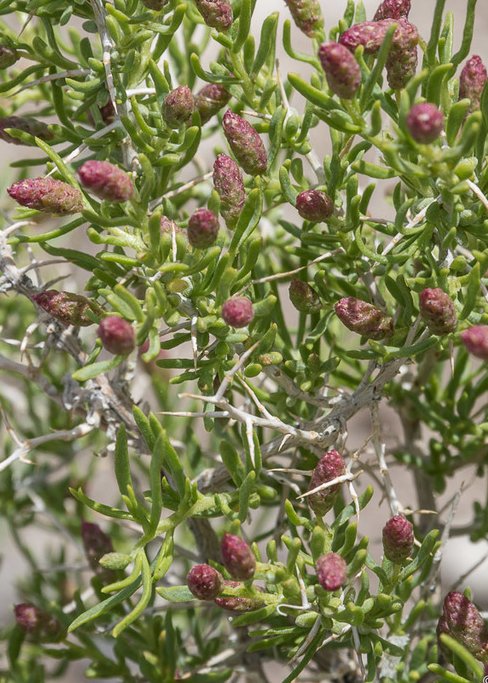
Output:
x=460 y=554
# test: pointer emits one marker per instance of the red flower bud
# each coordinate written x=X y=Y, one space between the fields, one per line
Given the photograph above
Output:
x=47 y=195
x=96 y=544
x=69 y=308
x=475 y=339
x=228 y=182
x=26 y=125
x=235 y=603
x=8 y=56
x=363 y=318
x=307 y=15
x=245 y=143
x=106 y=181
x=393 y=9
x=238 y=311
x=472 y=81
x=304 y=297
x=204 y=581
x=425 y=122
x=398 y=539
x=203 y=229
x=331 y=571
x=438 y=311
x=237 y=557
x=178 y=107
x=341 y=69
x=402 y=60
x=314 y=205
x=37 y=623
x=216 y=13
x=330 y=466
x=156 y=5
x=117 y=335
x=210 y=100
x=461 y=620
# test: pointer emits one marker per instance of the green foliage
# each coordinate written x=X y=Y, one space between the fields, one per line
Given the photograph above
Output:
x=208 y=428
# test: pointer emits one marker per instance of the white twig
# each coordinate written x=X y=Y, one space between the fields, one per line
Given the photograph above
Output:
x=380 y=450
x=64 y=435
x=476 y=190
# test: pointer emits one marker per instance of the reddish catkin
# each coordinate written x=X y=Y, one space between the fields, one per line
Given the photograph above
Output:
x=462 y=621
x=67 y=307
x=398 y=539
x=472 y=81
x=216 y=13
x=245 y=143
x=106 y=181
x=237 y=557
x=203 y=229
x=228 y=182
x=47 y=195
x=475 y=339
x=331 y=571
x=204 y=582
x=307 y=15
x=341 y=70
x=438 y=311
x=364 y=318
x=393 y=9
x=330 y=466
x=210 y=100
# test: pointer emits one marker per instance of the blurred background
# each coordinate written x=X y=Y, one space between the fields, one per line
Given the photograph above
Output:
x=463 y=561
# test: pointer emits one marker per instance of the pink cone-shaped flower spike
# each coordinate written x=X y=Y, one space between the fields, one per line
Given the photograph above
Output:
x=106 y=181
x=237 y=557
x=461 y=620
x=47 y=195
x=314 y=205
x=393 y=9
x=363 y=318
x=398 y=539
x=402 y=60
x=304 y=297
x=178 y=107
x=330 y=466
x=246 y=144
x=475 y=339
x=341 y=69
x=117 y=335
x=216 y=13
x=438 y=311
x=472 y=81
x=204 y=581
x=307 y=15
x=69 y=308
x=203 y=229
x=331 y=571
x=238 y=311
x=228 y=182
x=210 y=100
